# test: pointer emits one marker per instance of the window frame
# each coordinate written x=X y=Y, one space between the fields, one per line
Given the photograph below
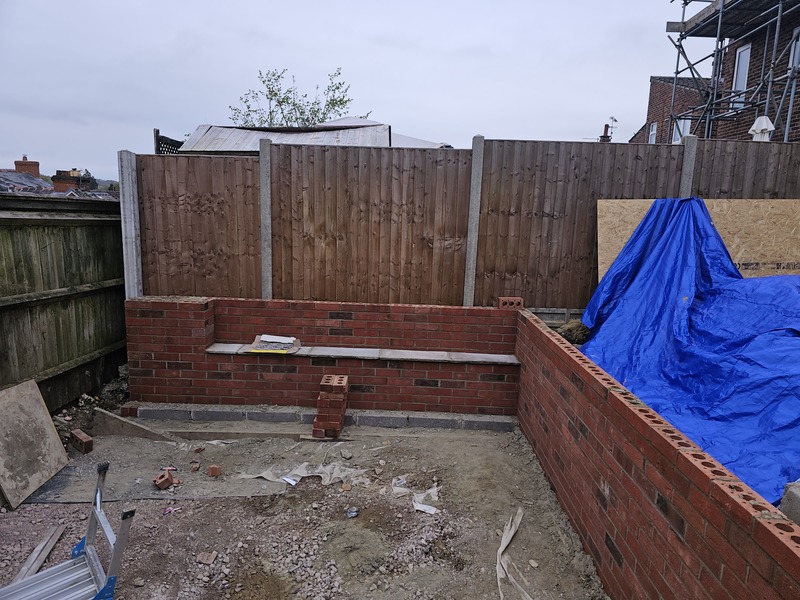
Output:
x=680 y=128
x=651 y=135
x=740 y=68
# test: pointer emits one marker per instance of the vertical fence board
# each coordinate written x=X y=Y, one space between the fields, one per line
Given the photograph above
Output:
x=389 y=224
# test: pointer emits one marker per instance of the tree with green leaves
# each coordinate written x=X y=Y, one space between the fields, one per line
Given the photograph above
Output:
x=276 y=104
x=86 y=181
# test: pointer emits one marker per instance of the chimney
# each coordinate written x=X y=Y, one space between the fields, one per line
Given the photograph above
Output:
x=63 y=181
x=606 y=137
x=27 y=166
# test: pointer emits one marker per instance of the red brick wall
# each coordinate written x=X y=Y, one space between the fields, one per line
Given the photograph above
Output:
x=737 y=126
x=354 y=325
x=167 y=339
x=660 y=518
x=658 y=109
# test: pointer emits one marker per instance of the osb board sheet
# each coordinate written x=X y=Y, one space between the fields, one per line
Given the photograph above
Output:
x=762 y=236
x=30 y=449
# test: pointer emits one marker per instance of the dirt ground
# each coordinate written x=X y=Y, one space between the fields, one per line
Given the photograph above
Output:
x=275 y=540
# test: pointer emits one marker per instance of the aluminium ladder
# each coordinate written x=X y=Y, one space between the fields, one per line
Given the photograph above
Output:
x=82 y=577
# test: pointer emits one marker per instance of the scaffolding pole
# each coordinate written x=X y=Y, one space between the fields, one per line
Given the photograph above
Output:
x=730 y=22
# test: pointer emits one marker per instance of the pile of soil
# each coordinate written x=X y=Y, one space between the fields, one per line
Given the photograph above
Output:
x=574 y=331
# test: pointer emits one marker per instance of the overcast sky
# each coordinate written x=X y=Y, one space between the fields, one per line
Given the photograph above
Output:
x=80 y=80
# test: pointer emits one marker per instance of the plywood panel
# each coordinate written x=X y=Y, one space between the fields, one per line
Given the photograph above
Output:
x=762 y=236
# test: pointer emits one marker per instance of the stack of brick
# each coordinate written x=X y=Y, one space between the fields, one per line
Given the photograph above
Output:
x=331 y=406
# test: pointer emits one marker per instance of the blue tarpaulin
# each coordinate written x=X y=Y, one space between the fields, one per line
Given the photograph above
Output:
x=718 y=356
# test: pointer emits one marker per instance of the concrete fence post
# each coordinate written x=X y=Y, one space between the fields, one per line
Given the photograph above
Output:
x=131 y=229
x=265 y=180
x=476 y=182
x=687 y=173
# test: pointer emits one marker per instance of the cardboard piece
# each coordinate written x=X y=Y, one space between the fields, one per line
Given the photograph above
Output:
x=762 y=236
x=30 y=449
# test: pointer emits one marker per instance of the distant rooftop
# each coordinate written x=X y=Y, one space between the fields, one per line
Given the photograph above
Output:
x=699 y=83
x=347 y=131
x=13 y=181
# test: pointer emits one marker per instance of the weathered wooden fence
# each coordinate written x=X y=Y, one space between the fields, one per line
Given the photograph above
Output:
x=392 y=224
x=61 y=294
x=200 y=225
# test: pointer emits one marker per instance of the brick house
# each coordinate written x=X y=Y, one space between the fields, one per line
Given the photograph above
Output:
x=689 y=92
x=753 y=74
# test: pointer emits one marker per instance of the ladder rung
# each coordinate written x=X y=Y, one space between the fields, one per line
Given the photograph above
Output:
x=105 y=526
x=80 y=590
x=69 y=577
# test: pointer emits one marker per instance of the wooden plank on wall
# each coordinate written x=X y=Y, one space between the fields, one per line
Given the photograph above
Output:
x=760 y=235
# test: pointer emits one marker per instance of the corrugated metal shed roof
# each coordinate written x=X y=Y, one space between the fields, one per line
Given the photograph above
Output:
x=347 y=131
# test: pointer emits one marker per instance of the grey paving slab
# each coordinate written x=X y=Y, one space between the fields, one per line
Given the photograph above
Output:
x=218 y=348
x=485 y=359
x=166 y=414
x=415 y=355
x=486 y=423
x=210 y=414
x=269 y=416
x=338 y=352
x=434 y=422
x=394 y=421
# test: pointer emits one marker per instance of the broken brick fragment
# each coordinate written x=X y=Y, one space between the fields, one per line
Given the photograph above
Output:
x=163 y=480
x=82 y=442
x=214 y=470
x=129 y=410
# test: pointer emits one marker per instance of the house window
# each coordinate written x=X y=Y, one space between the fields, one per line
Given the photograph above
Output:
x=740 y=69
x=651 y=137
x=682 y=127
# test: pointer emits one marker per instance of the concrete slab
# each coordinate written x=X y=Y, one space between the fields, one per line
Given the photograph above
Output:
x=106 y=423
x=415 y=355
x=489 y=423
x=339 y=352
x=169 y=414
x=206 y=418
x=483 y=359
x=220 y=348
x=272 y=416
x=214 y=414
x=790 y=503
x=433 y=422
x=30 y=449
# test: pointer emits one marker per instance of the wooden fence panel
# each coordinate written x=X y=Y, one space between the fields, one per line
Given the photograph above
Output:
x=200 y=225
x=538 y=225
x=61 y=292
x=733 y=169
x=389 y=224
x=369 y=224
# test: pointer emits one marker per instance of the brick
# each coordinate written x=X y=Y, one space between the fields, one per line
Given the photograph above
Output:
x=81 y=441
x=510 y=302
x=214 y=470
x=129 y=410
x=780 y=537
x=334 y=384
x=163 y=480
